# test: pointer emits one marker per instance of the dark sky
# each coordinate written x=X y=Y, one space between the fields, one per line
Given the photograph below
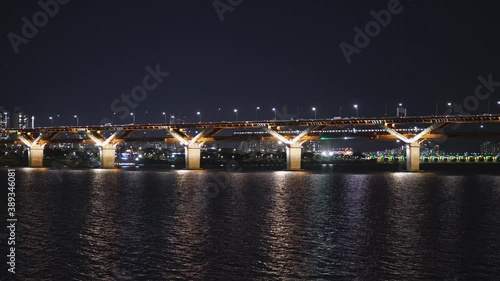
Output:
x=264 y=53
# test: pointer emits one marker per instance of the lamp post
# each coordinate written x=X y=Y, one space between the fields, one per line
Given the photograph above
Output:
x=314 y=109
x=57 y=116
x=449 y=104
x=165 y=115
x=51 y=121
x=199 y=116
x=257 y=113
x=218 y=115
x=32 y=122
x=77 y=120
x=133 y=117
x=236 y=113
x=274 y=109
x=356 y=107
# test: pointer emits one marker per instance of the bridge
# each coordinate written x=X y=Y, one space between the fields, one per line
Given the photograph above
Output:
x=293 y=133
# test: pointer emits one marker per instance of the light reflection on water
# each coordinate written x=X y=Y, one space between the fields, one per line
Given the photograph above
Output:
x=161 y=225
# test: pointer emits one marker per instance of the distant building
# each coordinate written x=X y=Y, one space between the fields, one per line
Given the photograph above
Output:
x=20 y=119
x=429 y=147
x=313 y=146
x=490 y=148
x=401 y=111
x=4 y=118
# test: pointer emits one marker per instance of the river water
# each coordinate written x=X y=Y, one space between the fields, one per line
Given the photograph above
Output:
x=255 y=225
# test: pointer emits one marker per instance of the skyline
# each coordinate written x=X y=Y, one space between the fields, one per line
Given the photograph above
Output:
x=167 y=118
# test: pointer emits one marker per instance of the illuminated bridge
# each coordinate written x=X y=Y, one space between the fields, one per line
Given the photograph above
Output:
x=293 y=133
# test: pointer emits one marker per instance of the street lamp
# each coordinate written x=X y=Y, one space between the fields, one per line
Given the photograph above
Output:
x=257 y=113
x=165 y=115
x=236 y=112
x=133 y=117
x=51 y=121
x=32 y=122
x=77 y=120
x=274 y=109
x=199 y=115
x=449 y=104
x=356 y=107
x=314 y=109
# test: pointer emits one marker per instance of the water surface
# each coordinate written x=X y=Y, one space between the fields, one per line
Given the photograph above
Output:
x=263 y=225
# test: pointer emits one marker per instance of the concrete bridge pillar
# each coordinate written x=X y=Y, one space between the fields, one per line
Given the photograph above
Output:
x=413 y=157
x=35 y=155
x=193 y=155
x=293 y=156
x=108 y=156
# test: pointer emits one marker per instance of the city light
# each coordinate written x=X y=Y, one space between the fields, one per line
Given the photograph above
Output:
x=314 y=109
x=236 y=113
x=356 y=107
x=77 y=120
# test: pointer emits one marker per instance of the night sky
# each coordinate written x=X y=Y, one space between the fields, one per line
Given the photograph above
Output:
x=264 y=53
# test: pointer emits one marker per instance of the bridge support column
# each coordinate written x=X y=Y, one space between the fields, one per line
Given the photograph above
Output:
x=293 y=156
x=35 y=155
x=108 y=156
x=413 y=157
x=193 y=155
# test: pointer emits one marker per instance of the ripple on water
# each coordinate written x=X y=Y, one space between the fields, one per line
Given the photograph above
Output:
x=162 y=225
